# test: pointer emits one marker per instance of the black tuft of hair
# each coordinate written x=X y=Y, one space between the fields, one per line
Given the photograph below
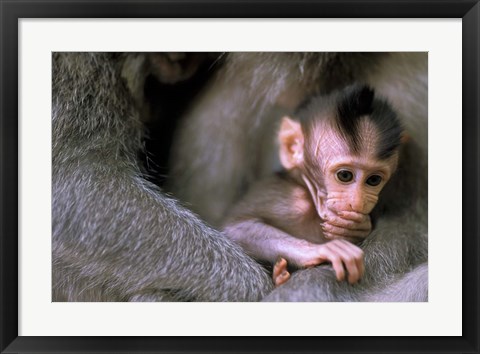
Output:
x=389 y=126
x=359 y=100
x=353 y=102
x=347 y=107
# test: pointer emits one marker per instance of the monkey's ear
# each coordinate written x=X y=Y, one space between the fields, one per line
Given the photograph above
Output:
x=291 y=142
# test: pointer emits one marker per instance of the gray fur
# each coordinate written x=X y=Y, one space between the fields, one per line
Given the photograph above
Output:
x=116 y=237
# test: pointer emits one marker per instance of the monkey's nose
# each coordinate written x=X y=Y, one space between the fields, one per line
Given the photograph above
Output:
x=357 y=205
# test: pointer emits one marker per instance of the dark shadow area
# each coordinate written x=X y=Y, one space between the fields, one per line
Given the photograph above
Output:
x=168 y=103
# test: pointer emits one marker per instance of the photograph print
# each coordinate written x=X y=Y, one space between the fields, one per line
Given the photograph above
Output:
x=240 y=177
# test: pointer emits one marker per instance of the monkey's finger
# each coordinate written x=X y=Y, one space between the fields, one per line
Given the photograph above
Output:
x=353 y=225
x=340 y=231
x=352 y=215
x=348 y=258
x=279 y=267
x=354 y=251
x=349 y=224
x=334 y=258
x=350 y=248
x=282 y=278
x=358 y=253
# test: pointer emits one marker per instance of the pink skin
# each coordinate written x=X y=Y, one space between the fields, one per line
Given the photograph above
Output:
x=280 y=273
x=345 y=257
x=317 y=214
x=342 y=205
x=345 y=208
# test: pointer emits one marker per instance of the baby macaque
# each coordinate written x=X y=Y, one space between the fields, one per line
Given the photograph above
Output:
x=338 y=153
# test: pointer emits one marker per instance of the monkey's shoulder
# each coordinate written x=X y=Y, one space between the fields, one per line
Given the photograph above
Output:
x=278 y=197
x=296 y=196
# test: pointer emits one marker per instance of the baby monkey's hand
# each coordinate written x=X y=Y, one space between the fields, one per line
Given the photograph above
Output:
x=346 y=259
x=347 y=225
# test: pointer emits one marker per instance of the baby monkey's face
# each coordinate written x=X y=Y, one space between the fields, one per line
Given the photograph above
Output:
x=353 y=183
x=345 y=147
x=343 y=181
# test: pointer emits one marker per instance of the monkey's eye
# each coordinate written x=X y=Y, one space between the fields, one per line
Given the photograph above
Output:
x=374 y=180
x=344 y=176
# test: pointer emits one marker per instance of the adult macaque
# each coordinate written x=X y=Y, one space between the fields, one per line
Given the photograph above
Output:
x=223 y=148
x=337 y=154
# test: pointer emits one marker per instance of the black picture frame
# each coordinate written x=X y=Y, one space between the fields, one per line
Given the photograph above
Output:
x=12 y=10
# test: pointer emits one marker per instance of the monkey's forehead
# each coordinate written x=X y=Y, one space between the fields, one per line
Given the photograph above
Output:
x=330 y=148
x=328 y=142
x=365 y=162
x=325 y=136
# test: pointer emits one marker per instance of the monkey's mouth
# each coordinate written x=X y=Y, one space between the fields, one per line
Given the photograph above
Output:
x=318 y=197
